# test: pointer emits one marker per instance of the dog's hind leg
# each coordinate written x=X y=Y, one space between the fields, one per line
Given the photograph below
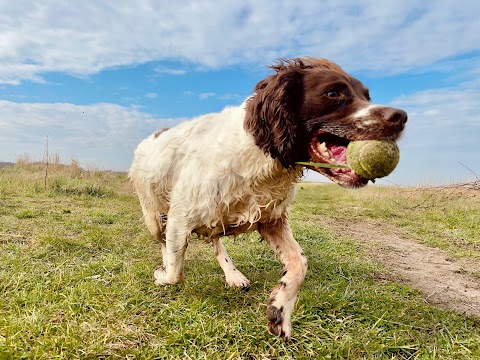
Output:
x=233 y=277
x=280 y=306
x=171 y=272
x=155 y=222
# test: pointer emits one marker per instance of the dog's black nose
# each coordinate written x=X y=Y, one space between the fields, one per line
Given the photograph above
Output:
x=395 y=116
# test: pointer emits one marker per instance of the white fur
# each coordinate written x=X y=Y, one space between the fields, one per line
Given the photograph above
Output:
x=209 y=173
x=365 y=112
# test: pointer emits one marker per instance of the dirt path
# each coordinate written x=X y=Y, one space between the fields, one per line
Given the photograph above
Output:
x=443 y=281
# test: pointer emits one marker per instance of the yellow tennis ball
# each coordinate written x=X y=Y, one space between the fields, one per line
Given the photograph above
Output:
x=373 y=159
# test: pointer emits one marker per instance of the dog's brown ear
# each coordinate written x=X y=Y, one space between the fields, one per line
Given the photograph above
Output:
x=272 y=116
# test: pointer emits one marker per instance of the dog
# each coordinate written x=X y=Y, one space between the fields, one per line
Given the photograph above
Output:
x=233 y=172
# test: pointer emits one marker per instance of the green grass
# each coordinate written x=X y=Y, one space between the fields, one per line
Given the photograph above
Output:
x=76 y=282
x=445 y=218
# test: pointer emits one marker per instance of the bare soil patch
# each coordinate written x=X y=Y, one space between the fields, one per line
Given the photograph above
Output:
x=445 y=282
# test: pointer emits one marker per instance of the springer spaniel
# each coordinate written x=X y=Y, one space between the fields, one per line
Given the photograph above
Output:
x=233 y=172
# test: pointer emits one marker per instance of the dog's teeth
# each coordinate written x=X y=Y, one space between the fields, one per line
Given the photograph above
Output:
x=322 y=147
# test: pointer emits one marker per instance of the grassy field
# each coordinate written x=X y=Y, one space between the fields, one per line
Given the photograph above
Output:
x=446 y=218
x=76 y=278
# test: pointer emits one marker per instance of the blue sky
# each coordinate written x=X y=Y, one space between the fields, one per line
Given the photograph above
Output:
x=98 y=77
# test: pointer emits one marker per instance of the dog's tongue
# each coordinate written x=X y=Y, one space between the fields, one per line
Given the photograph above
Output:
x=339 y=153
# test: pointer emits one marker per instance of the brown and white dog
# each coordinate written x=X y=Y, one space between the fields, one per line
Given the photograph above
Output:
x=235 y=171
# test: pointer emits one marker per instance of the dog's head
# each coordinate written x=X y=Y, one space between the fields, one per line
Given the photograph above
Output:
x=310 y=109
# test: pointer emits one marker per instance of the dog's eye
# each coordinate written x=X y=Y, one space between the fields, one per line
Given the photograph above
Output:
x=332 y=94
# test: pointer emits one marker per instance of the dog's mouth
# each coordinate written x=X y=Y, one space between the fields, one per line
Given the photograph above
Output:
x=328 y=148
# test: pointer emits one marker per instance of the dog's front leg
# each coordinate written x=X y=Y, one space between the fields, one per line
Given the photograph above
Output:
x=171 y=272
x=232 y=275
x=282 y=299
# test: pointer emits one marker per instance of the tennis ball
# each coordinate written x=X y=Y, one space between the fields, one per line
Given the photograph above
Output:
x=373 y=159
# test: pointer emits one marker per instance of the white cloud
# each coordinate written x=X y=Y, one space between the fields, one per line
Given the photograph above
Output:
x=101 y=134
x=389 y=36
x=441 y=134
x=453 y=108
x=151 y=95
x=224 y=97
x=206 y=95
x=165 y=70
x=233 y=97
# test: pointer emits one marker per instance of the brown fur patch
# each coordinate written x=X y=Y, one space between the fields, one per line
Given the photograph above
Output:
x=158 y=132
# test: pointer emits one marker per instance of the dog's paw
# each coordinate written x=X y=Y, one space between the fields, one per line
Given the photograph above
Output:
x=277 y=324
x=161 y=277
x=237 y=279
x=279 y=311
